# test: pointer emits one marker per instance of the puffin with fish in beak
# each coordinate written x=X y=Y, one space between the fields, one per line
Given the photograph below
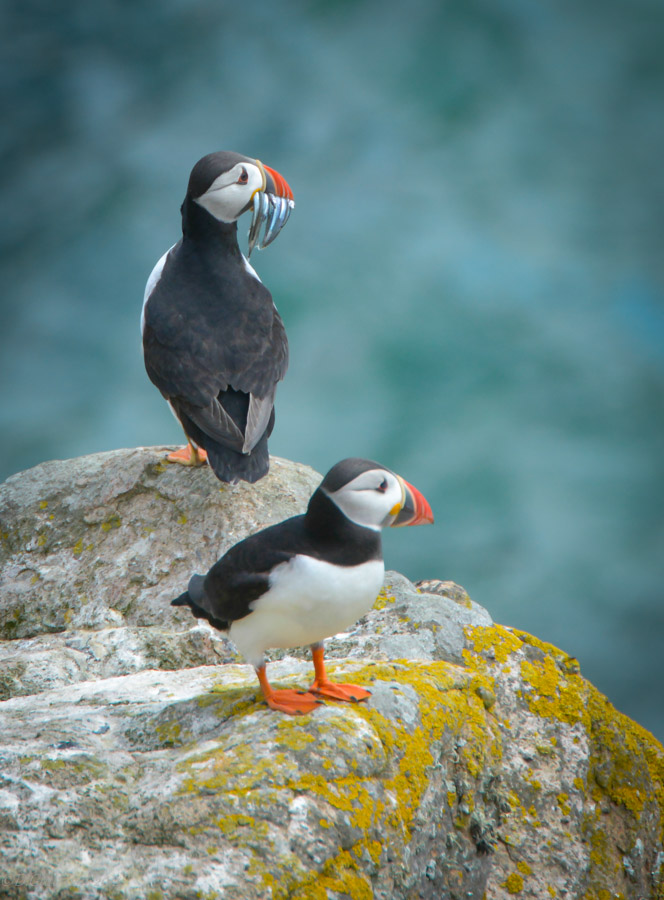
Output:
x=213 y=341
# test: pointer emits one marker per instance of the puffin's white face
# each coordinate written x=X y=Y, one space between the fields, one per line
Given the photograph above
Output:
x=231 y=193
x=372 y=500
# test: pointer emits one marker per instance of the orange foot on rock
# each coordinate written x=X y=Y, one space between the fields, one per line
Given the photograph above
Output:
x=332 y=689
x=336 y=691
x=295 y=703
x=188 y=456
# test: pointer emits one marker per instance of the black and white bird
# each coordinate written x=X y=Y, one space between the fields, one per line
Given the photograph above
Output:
x=213 y=341
x=309 y=577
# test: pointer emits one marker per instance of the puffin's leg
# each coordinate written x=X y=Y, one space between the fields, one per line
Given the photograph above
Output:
x=295 y=703
x=188 y=455
x=333 y=689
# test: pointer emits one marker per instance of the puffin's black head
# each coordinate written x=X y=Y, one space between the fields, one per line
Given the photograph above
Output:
x=373 y=496
x=227 y=184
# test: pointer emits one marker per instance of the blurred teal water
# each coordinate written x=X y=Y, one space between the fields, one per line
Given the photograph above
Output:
x=472 y=280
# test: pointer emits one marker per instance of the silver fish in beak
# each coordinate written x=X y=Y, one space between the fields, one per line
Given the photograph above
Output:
x=271 y=208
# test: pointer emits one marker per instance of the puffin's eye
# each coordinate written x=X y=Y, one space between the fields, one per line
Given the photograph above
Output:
x=244 y=177
x=382 y=487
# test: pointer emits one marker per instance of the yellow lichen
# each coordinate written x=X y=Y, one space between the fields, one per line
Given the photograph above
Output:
x=563 y=803
x=633 y=755
x=552 y=696
x=513 y=883
x=292 y=735
x=169 y=732
x=444 y=705
x=598 y=843
x=545 y=749
x=113 y=521
x=451 y=706
x=227 y=824
x=497 y=642
x=533 y=782
x=383 y=599
x=340 y=875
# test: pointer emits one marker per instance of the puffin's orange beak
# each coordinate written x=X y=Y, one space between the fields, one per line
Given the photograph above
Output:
x=415 y=509
x=276 y=184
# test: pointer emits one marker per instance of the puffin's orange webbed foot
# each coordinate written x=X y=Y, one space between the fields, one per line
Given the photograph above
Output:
x=333 y=689
x=337 y=691
x=188 y=456
x=294 y=703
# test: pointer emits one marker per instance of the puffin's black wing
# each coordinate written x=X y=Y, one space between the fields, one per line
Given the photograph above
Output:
x=242 y=575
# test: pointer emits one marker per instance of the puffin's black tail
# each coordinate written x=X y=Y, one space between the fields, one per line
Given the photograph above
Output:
x=228 y=464
x=231 y=467
x=192 y=597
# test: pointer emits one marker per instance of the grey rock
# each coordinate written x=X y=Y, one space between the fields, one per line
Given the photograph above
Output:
x=138 y=761
x=106 y=540
x=408 y=622
x=92 y=550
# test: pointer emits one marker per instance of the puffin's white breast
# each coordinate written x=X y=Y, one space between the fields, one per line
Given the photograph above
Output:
x=307 y=601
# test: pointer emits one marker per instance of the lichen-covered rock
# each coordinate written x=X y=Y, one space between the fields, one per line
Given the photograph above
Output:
x=131 y=767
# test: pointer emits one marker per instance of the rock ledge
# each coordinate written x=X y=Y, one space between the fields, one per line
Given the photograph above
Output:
x=137 y=761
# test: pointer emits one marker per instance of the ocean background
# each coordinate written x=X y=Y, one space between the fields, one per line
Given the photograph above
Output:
x=472 y=280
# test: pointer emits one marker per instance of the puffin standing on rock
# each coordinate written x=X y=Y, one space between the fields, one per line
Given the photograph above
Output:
x=213 y=341
x=309 y=577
